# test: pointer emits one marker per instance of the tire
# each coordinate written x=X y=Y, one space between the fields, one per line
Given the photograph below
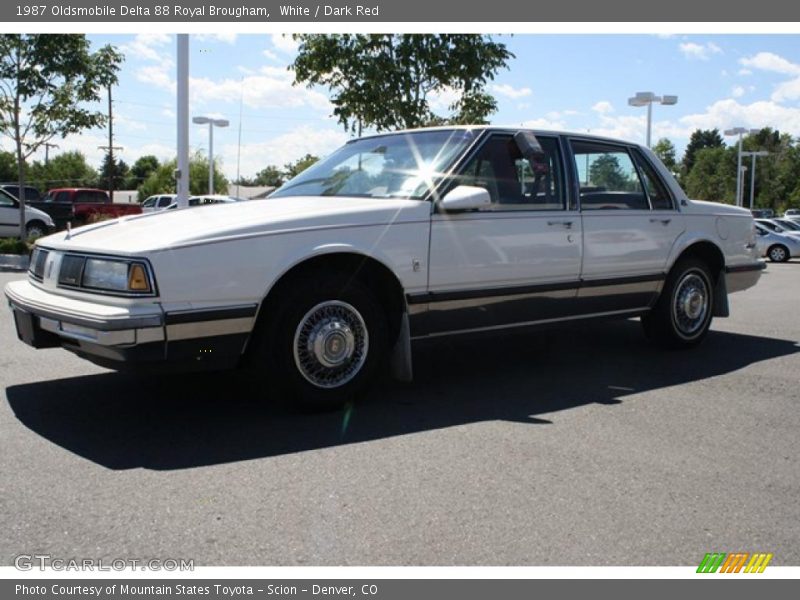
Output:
x=35 y=229
x=323 y=342
x=682 y=316
x=778 y=253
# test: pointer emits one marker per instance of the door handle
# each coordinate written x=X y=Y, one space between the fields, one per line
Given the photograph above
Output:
x=564 y=224
x=662 y=221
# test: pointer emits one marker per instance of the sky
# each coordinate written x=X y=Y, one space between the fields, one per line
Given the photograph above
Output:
x=576 y=82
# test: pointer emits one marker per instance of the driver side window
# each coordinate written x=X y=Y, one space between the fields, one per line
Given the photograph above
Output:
x=512 y=181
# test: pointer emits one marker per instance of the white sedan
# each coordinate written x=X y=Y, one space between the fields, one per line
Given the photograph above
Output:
x=391 y=239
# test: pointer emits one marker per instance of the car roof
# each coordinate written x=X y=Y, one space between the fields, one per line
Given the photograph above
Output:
x=499 y=129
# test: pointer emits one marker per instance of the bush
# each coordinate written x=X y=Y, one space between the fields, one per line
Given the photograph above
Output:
x=13 y=246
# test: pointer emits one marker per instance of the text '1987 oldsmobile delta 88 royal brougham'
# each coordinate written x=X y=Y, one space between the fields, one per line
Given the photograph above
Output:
x=393 y=238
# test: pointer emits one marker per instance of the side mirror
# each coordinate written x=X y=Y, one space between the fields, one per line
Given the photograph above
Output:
x=465 y=197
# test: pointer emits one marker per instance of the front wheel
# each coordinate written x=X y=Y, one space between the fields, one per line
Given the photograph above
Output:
x=326 y=338
x=35 y=230
x=682 y=316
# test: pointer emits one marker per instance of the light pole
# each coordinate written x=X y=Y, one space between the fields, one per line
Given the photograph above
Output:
x=740 y=131
x=753 y=155
x=211 y=123
x=648 y=99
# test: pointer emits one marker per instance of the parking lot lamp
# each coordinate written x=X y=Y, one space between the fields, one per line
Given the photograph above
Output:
x=648 y=99
x=740 y=131
x=753 y=156
x=211 y=124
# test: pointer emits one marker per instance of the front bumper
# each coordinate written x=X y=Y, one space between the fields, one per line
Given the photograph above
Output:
x=131 y=337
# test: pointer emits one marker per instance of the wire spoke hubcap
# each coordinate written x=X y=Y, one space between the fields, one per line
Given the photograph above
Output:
x=330 y=344
x=690 y=306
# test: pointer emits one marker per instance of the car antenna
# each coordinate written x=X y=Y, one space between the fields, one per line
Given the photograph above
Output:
x=69 y=230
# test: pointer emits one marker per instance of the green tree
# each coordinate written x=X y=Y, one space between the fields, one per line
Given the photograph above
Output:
x=141 y=170
x=162 y=180
x=8 y=166
x=713 y=175
x=49 y=85
x=701 y=138
x=293 y=169
x=119 y=171
x=665 y=150
x=386 y=81
x=606 y=172
x=68 y=169
x=269 y=176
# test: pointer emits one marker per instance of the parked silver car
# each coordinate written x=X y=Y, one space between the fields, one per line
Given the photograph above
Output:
x=776 y=227
x=776 y=246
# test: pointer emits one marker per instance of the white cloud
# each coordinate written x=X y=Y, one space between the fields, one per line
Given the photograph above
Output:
x=146 y=46
x=510 y=91
x=767 y=61
x=284 y=43
x=788 y=90
x=227 y=37
x=270 y=88
x=544 y=123
x=744 y=72
x=271 y=55
x=738 y=91
x=157 y=75
x=282 y=149
x=725 y=114
x=694 y=51
x=603 y=107
x=773 y=63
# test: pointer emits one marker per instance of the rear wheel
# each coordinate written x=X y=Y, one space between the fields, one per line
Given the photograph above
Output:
x=682 y=315
x=778 y=253
x=324 y=340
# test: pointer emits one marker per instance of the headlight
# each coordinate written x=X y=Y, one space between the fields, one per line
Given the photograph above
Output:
x=106 y=275
x=37 y=261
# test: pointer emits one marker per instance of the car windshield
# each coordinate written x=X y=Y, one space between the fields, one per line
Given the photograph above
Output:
x=402 y=165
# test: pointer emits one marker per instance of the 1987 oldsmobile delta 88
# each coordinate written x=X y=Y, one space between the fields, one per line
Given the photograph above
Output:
x=392 y=238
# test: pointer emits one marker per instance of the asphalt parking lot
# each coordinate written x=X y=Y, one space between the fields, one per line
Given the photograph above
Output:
x=577 y=446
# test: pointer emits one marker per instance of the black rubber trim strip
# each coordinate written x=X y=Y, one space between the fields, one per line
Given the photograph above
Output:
x=759 y=266
x=426 y=297
x=212 y=314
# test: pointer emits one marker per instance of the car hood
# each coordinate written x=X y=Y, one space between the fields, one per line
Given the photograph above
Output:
x=148 y=232
x=35 y=213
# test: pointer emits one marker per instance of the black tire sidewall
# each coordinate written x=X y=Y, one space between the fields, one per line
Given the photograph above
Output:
x=785 y=253
x=676 y=276
x=290 y=311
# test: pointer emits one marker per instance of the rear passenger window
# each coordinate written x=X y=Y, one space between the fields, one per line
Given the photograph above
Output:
x=656 y=190
x=608 y=178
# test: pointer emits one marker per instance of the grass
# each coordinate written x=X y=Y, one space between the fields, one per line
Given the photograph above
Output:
x=13 y=246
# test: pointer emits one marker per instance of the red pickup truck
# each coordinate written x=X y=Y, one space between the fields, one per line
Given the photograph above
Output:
x=78 y=205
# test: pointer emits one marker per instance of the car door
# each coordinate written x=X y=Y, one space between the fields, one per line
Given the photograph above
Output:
x=516 y=261
x=630 y=223
x=9 y=215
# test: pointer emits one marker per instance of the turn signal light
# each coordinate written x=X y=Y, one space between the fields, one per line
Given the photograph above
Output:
x=137 y=279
